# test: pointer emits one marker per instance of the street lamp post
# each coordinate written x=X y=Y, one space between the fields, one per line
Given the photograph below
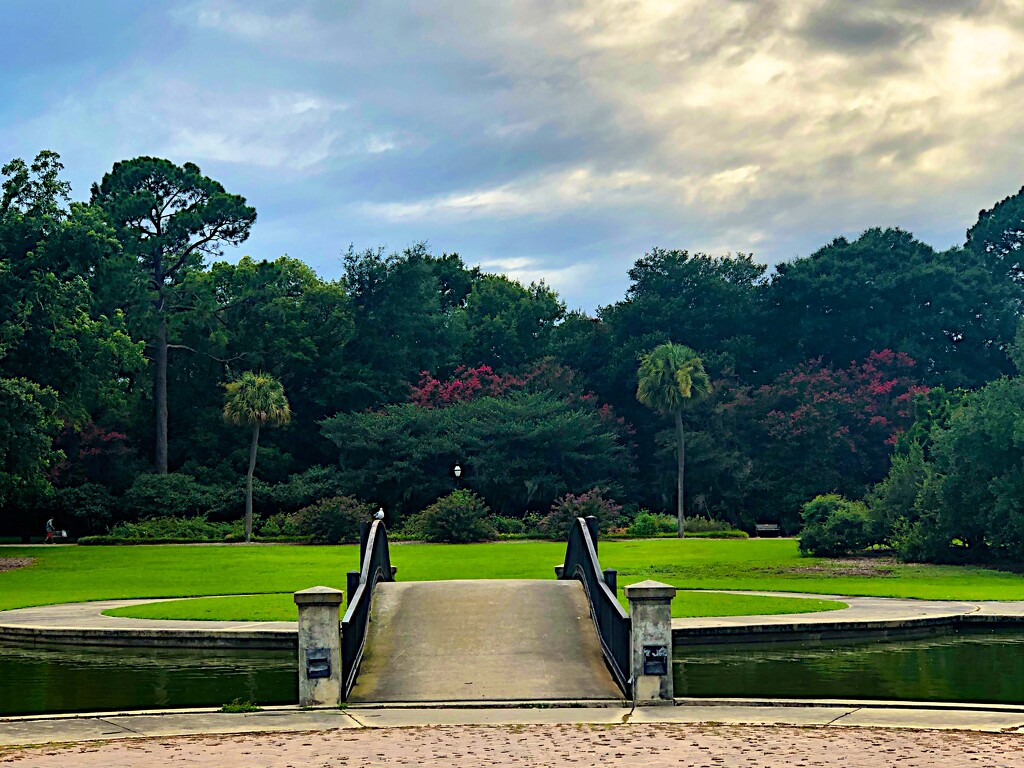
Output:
x=457 y=473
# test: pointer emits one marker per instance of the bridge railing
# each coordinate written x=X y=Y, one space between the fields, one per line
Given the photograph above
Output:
x=375 y=566
x=614 y=626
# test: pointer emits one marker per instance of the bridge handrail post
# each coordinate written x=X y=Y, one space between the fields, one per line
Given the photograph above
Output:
x=592 y=527
x=320 y=664
x=611 y=578
x=650 y=608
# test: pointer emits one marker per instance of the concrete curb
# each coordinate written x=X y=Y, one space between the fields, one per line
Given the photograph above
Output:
x=230 y=639
x=838 y=630
x=115 y=726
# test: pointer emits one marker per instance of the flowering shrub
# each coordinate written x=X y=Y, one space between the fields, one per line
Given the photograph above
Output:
x=93 y=454
x=467 y=384
x=566 y=509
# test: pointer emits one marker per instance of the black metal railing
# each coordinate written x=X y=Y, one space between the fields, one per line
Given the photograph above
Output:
x=375 y=566
x=614 y=626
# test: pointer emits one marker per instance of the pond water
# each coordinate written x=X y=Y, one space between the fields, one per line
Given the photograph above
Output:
x=39 y=679
x=975 y=666
x=971 y=666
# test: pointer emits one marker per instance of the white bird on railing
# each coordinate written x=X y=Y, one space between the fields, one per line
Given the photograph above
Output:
x=379 y=514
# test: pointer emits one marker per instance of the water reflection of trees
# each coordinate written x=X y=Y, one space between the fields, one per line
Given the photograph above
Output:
x=982 y=667
x=65 y=679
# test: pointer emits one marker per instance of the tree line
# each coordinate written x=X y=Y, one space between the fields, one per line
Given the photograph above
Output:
x=121 y=325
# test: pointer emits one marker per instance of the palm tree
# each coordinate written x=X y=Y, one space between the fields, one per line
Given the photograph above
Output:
x=669 y=376
x=255 y=399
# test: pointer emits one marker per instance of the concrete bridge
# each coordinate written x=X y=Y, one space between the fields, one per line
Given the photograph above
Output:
x=485 y=640
x=481 y=641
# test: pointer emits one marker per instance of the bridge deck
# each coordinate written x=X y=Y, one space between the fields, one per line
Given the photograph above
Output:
x=482 y=640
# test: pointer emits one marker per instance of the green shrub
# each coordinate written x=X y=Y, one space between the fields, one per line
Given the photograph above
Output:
x=730 y=534
x=83 y=509
x=820 y=508
x=532 y=521
x=648 y=524
x=334 y=520
x=458 y=518
x=893 y=502
x=699 y=524
x=305 y=488
x=237 y=706
x=508 y=525
x=834 y=526
x=227 y=501
x=566 y=509
x=924 y=540
x=111 y=541
x=178 y=528
x=281 y=524
x=172 y=495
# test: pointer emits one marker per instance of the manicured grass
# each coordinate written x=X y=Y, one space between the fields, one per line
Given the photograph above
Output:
x=274 y=607
x=687 y=604
x=67 y=574
x=282 y=607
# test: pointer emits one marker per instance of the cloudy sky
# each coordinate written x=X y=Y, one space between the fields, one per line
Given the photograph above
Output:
x=545 y=140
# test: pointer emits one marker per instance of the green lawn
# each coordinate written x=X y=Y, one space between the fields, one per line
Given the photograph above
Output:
x=71 y=574
x=281 y=607
x=272 y=607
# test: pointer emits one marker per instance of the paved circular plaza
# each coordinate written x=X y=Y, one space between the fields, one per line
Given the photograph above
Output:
x=652 y=746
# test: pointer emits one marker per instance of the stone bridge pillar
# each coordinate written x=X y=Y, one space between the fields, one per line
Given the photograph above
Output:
x=320 y=682
x=650 y=608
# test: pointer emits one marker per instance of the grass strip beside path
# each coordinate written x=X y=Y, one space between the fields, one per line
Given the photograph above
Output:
x=273 y=607
x=66 y=574
x=282 y=607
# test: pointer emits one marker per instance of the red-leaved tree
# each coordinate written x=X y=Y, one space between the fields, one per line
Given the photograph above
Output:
x=824 y=429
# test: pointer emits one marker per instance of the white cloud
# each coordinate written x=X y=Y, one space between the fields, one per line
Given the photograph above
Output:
x=546 y=194
x=248 y=22
x=266 y=129
x=378 y=144
x=534 y=270
x=273 y=130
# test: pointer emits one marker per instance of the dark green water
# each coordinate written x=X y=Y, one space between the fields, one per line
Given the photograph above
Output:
x=979 y=666
x=66 y=679
x=969 y=667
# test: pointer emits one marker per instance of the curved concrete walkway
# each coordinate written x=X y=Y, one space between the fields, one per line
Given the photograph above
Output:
x=84 y=624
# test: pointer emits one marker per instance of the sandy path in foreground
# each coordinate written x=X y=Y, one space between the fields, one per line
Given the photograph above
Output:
x=650 y=746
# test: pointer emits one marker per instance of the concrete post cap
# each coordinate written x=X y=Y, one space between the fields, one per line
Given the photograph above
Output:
x=650 y=590
x=319 y=596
